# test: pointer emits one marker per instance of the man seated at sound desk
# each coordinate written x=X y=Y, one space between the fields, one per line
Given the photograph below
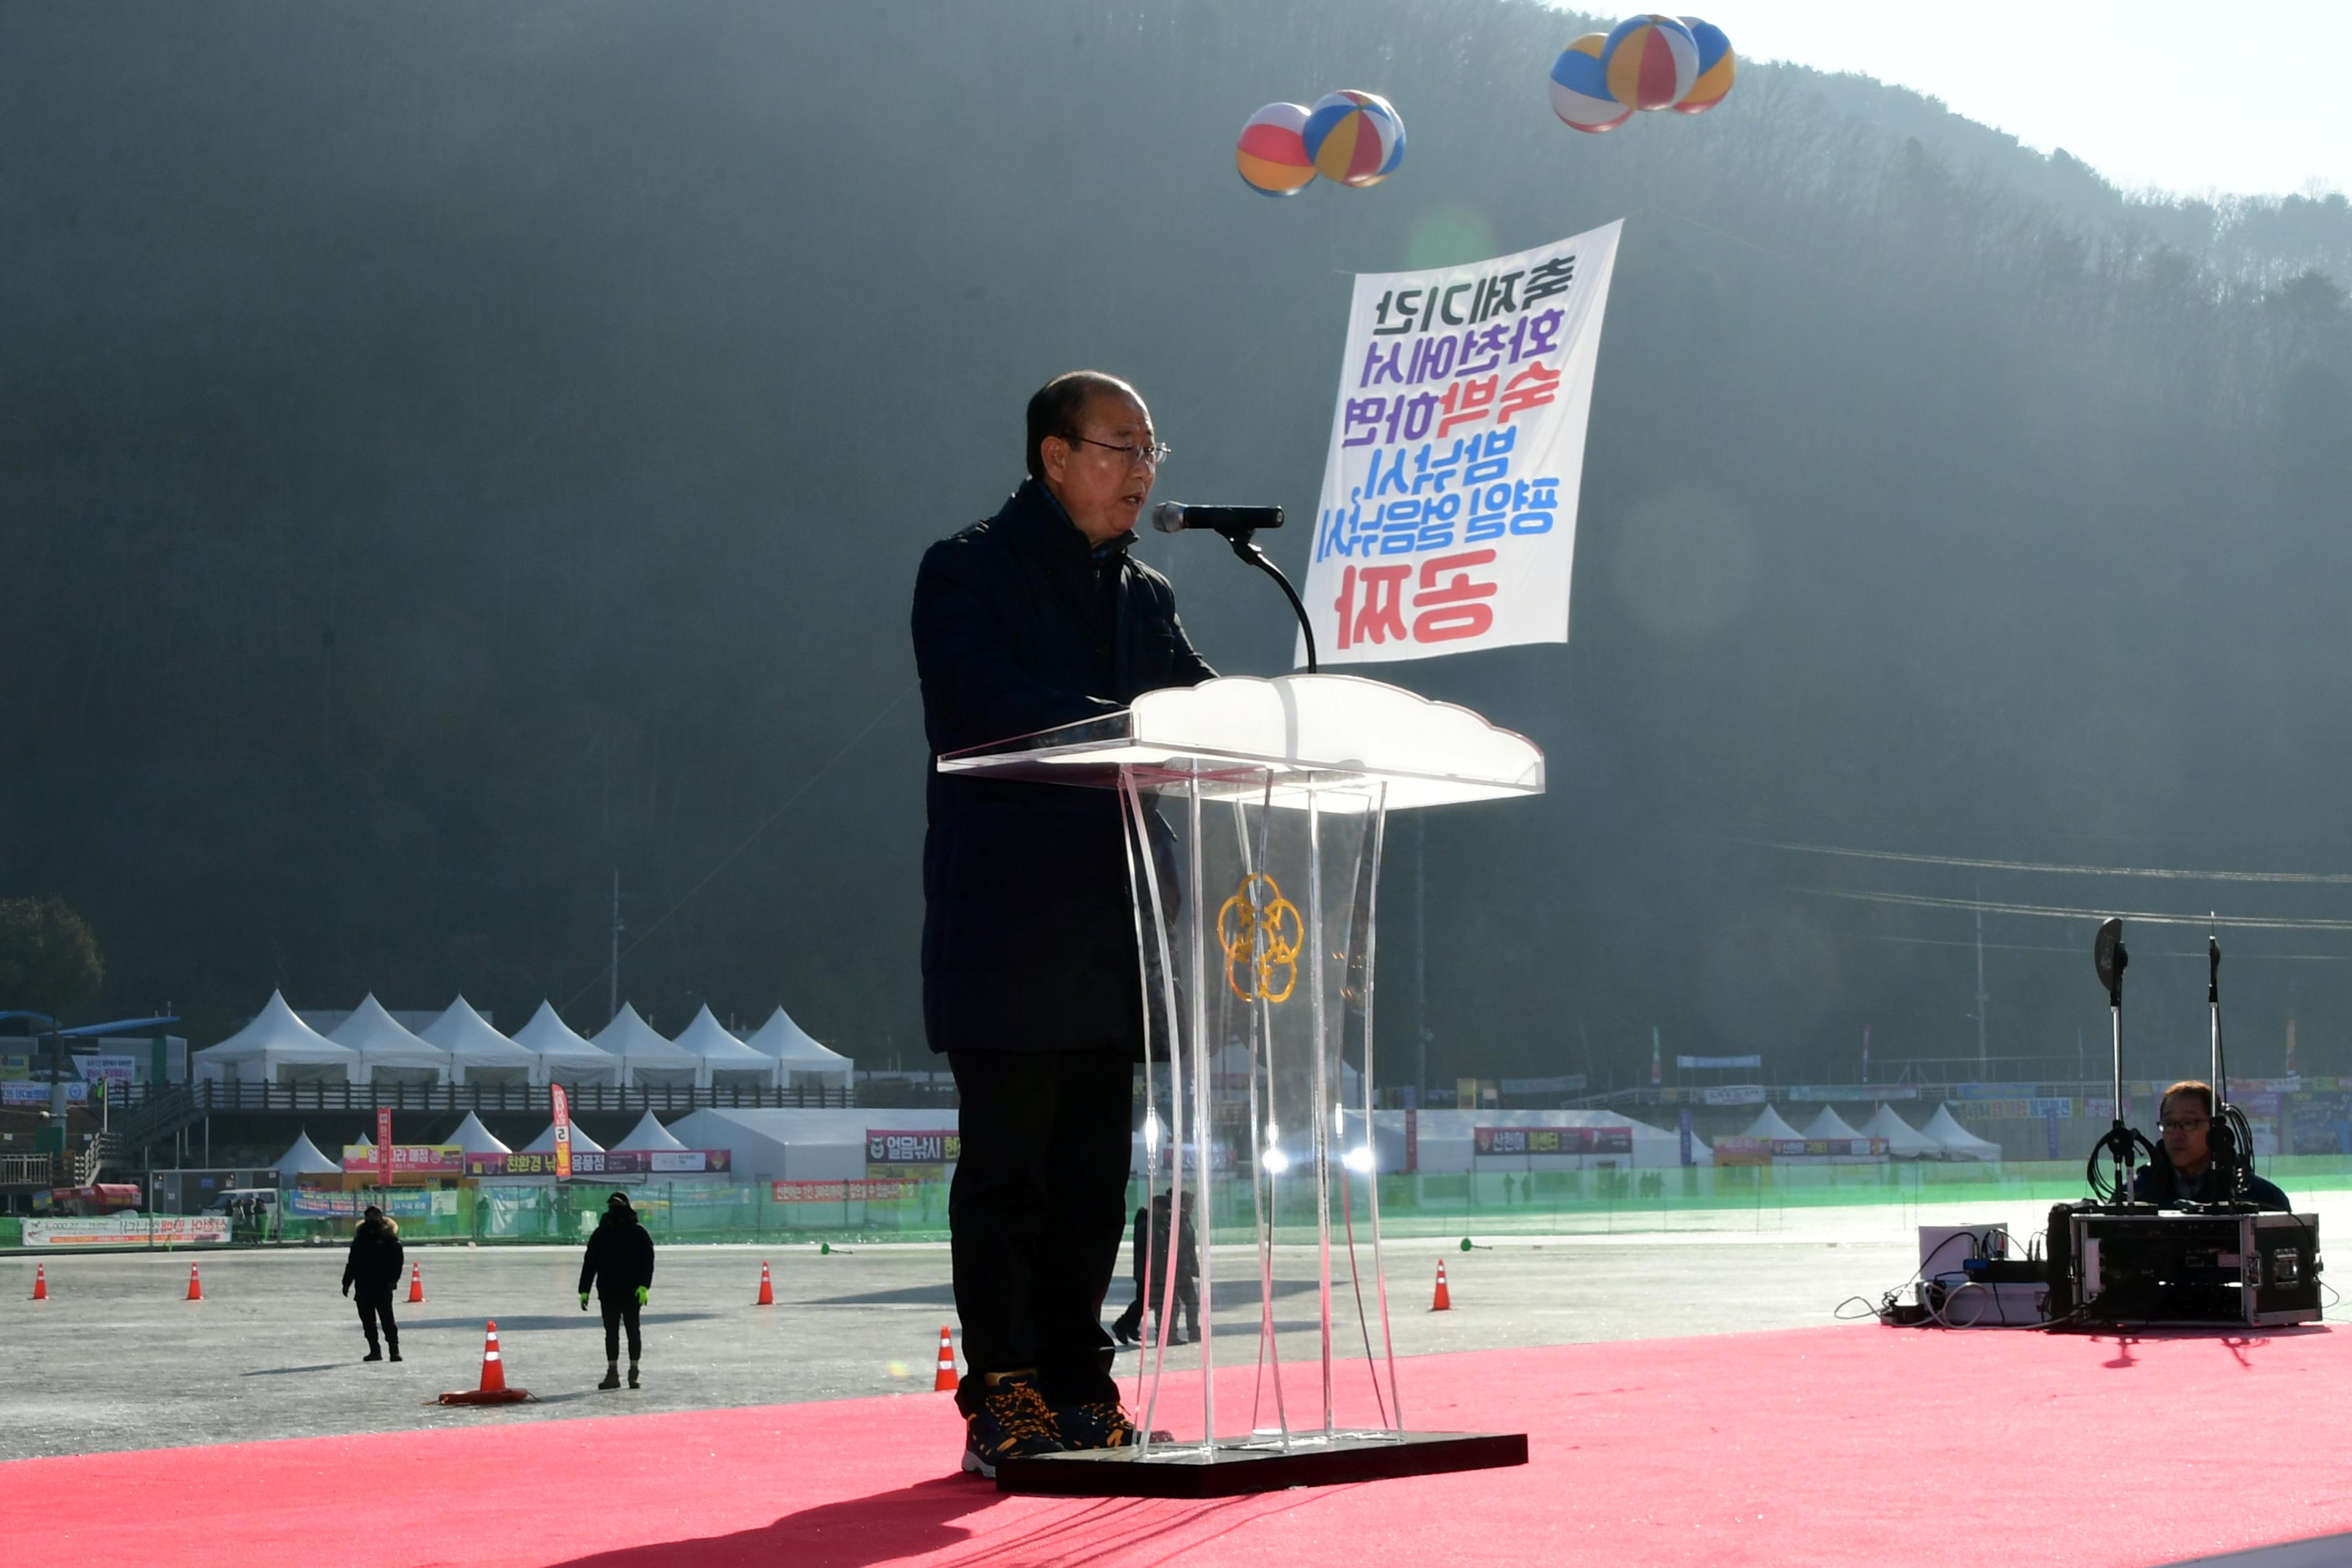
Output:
x=2186 y=1174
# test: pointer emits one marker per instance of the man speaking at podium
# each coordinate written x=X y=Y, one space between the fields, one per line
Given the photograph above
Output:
x=1036 y=617
x=2186 y=1174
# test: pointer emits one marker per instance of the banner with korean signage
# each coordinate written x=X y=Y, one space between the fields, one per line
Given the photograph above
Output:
x=889 y=1189
x=1448 y=516
x=603 y=1163
x=1552 y=1141
x=1764 y=1151
x=414 y=1203
x=129 y=1229
x=560 y=1104
x=36 y=1091
x=894 y=1146
x=404 y=1160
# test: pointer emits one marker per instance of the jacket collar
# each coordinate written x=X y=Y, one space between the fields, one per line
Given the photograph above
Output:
x=1035 y=519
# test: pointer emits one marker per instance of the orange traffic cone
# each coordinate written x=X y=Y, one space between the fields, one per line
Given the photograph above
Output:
x=494 y=1389
x=1444 y=1303
x=767 y=1287
x=945 y=1382
x=415 y=1284
x=195 y=1286
x=40 y=1281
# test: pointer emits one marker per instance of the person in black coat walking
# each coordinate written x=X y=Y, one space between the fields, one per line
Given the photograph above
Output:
x=1036 y=617
x=620 y=1265
x=371 y=1269
x=1152 y=1229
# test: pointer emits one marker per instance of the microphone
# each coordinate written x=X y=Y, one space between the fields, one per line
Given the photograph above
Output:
x=1175 y=517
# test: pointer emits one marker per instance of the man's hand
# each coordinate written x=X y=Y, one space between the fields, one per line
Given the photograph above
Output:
x=584 y=1301
x=643 y=1291
x=347 y=1286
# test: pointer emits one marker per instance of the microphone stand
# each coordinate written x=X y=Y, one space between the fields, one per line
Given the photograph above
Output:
x=2121 y=1144
x=1241 y=539
x=2222 y=1132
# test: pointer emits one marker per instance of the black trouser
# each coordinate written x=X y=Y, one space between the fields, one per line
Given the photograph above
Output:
x=620 y=1314
x=1037 y=1214
x=376 y=1306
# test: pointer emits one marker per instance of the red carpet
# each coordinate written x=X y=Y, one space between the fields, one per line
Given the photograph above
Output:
x=1844 y=1445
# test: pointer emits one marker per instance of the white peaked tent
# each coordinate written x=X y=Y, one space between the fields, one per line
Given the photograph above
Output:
x=1904 y=1141
x=646 y=1058
x=304 y=1160
x=1830 y=1124
x=730 y=1062
x=564 y=1056
x=478 y=1053
x=1959 y=1143
x=808 y=1063
x=545 y=1143
x=476 y=1139
x=1769 y=1125
x=388 y=1053
x=278 y=1048
x=649 y=1133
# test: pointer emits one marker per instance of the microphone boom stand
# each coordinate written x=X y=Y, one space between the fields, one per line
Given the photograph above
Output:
x=2121 y=1144
x=1240 y=539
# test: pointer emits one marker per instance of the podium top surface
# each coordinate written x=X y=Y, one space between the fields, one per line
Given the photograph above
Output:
x=1292 y=737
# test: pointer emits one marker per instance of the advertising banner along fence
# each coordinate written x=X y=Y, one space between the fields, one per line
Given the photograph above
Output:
x=1552 y=1139
x=1448 y=516
x=122 y=1230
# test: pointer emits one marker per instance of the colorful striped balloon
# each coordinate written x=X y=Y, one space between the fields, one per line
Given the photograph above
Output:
x=1717 y=67
x=1651 y=61
x=1355 y=138
x=1580 y=91
x=1272 y=152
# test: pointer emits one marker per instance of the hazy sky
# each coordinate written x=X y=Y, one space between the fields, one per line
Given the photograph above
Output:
x=2187 y=97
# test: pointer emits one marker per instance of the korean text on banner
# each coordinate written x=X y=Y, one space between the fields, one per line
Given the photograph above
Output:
x=1448 y=515
x=383 y=1146
x=563 y=1106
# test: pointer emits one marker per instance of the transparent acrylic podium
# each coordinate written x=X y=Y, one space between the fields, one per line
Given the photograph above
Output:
x=1255 y=923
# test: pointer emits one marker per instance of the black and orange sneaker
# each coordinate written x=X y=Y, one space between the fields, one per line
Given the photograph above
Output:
x=1011 y=1422
x=1102 y=1423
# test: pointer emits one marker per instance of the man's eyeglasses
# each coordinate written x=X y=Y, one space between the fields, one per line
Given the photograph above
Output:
x=1149 y=456
x=2188 y=1126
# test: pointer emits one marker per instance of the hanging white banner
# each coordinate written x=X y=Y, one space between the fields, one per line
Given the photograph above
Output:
x=1448 y=517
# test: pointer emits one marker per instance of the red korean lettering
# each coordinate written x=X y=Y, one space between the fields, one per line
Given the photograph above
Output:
x=1467 y=403
x=1531 y=388
x=1451 y=608
x=1382 y=614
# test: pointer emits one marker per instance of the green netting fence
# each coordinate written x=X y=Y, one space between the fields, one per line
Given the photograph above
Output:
x=1491 y=1202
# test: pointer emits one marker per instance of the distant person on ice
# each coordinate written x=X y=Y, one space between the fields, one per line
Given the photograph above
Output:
x=1151 y=1231
x=1035 y=617
x=620 y=1265
x=371 y=1269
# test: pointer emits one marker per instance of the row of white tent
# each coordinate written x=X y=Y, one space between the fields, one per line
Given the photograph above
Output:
x=306 y=1159
x=1942 y=1139
x=460 y=1046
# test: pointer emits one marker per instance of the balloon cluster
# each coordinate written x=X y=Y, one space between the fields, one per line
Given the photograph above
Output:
x=1643 y=62
x=1355 y=139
